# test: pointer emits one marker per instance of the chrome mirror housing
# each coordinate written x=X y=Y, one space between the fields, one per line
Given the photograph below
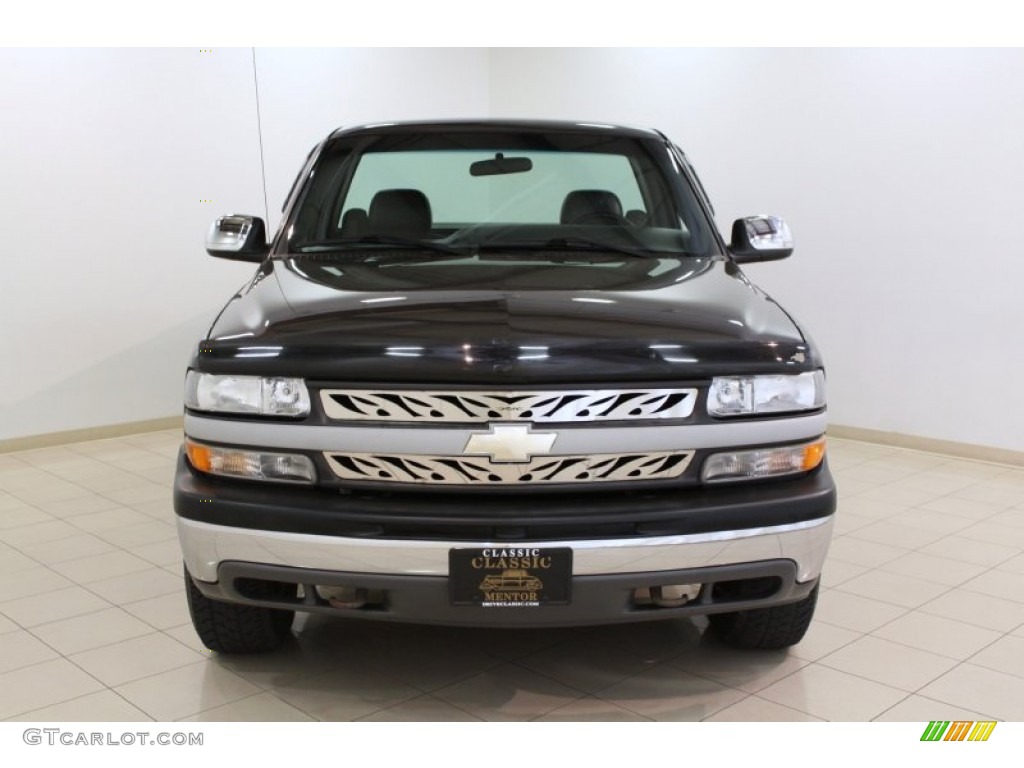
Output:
x=238 y=237
x=760 y=238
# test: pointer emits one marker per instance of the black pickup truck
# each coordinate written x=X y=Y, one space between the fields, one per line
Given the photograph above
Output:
x=502 y=373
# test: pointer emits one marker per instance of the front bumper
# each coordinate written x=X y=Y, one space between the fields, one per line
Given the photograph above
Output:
x=596 y=599
x=235 y=534
x=207 y=546
x=675 y=528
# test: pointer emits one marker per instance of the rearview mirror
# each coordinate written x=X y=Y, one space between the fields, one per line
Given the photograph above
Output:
x=241 y=238
x=760 y=238
x=500 y=165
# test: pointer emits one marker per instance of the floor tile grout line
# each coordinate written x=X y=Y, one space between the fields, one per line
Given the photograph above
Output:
x=70 y=520
x=905 y=698
x=171 y=462
x=1004 y=634
x=970 y=660
x=927 y=650
x=839 y=588
x=84 y=695
x=786 y=677
x=109 y=464
x=85 y=586
x=938 y=705
x=136 y=679
x=921 y=606
x=949 y=703
x=882 y=567
x=627 y=678
x=918 y=549
x=963 y=621
x=262 y=692
x=1006 y=469
x=914 y=505
x=166 y=671
x=421 y=695
x=63 y=657
x=914 y=692
x=81 y=532
x=957 y=663
x=766 y=701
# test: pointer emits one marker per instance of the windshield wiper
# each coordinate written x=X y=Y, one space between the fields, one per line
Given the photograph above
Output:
x=575 y=244
x=346 y=243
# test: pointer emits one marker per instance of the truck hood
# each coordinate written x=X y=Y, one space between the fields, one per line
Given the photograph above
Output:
x=710 y=320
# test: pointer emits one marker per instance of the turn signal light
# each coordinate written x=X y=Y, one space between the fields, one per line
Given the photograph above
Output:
x=250 y=465
x=763 y=462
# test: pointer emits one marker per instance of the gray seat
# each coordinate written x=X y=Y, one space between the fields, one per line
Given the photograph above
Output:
x=400 y=213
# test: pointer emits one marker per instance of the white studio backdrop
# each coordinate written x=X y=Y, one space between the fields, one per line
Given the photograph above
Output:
x=108 y=158
x=898 y=170
x=900 y=173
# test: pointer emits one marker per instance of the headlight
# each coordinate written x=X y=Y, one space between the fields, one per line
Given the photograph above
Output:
x=246 y=394
x=763 y=462
x=741 y=395
x=251 y=465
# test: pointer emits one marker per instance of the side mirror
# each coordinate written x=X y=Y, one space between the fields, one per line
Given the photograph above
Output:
x=241 y=238
x=760 y=238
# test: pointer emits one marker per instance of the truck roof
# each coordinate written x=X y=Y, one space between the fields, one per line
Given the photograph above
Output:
x=483 y=125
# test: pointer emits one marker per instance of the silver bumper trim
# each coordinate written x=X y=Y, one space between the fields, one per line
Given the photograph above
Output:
x=434 y=440
x=206 y=546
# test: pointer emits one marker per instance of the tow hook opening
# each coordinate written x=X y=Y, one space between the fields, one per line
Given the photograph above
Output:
x=344 y=597
x=667 y=595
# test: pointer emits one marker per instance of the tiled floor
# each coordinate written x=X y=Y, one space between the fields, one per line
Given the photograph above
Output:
x=921 y=618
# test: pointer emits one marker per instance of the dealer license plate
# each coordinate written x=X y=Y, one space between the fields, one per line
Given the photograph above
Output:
x=510 y=577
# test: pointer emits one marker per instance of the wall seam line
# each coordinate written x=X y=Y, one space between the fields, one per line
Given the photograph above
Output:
x=259 y=133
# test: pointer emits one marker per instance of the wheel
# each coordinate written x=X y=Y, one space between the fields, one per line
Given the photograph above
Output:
x=765 y=628
x=233 y=628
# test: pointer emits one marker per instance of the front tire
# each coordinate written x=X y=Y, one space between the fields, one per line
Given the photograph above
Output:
x=765 y=628
x=234 y=628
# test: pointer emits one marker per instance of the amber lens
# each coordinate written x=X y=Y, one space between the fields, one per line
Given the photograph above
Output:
x=198 y=456
x=813 y=454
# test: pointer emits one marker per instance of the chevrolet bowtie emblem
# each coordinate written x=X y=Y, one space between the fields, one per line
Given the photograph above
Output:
x=512 y=444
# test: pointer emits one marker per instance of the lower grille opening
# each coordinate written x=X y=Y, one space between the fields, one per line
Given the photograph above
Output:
x=745 y=589
x=712 y=593
x=286 y=594
x=266 y=590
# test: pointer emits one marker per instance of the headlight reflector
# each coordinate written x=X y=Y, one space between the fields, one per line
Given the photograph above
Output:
x=763 y=462
x=741 y=395
x=272 y=396
x=250 y=465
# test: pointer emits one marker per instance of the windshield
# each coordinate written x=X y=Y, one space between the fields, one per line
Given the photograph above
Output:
x=498 y=192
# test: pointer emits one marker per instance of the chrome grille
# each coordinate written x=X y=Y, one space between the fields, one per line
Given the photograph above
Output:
x=471 y=407
x=459 y=470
